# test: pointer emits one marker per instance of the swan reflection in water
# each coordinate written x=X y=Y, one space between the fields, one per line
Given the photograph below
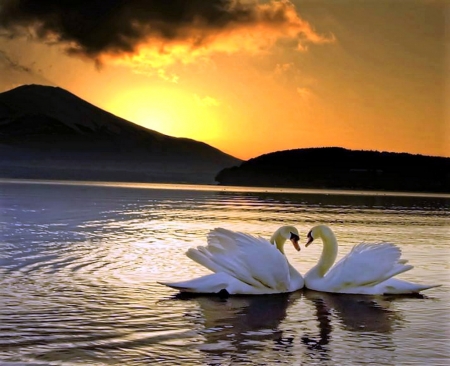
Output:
x=371 y=315
x=237 y=328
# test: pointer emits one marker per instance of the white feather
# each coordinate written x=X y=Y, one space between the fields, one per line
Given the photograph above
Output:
x=366 y=269
x=242 y=264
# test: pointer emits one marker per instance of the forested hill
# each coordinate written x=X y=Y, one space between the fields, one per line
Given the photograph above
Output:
x=340 y=168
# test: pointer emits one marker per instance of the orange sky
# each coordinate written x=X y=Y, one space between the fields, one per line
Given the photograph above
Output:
x=367 y=75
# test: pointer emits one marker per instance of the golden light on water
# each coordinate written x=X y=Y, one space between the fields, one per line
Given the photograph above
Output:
x=80 y=282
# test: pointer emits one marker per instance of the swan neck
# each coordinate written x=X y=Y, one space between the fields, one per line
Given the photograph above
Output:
x=329 y=253
x=279 y=240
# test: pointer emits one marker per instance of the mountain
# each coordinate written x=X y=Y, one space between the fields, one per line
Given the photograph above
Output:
x=339 y=168
x=49 y=133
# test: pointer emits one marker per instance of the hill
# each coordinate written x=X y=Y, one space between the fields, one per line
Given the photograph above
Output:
x=339 y=168
x=49 y=133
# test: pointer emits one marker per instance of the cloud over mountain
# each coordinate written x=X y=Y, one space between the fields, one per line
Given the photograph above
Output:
x=173 y=29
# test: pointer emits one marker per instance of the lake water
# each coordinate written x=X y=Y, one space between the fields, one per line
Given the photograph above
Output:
x=79 y=265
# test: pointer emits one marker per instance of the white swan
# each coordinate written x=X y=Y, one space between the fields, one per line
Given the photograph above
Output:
x=367 y=269
x=244 y=264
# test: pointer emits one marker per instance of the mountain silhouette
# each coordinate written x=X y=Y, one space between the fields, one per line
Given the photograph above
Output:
x=49 y=133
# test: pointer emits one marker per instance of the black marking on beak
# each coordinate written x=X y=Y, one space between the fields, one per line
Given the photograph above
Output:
x=310 y=238
x=294 y=239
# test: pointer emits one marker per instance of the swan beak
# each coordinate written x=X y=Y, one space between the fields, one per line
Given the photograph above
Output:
x=296 y=245
x=310 y=240
x=294 y=240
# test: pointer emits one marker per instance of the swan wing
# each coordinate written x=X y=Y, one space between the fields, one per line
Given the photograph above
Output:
x=215 y=283
x=252 y=260
x=206 y=284
x=367 y=265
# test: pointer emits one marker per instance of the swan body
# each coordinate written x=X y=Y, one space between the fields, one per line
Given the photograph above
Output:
x=368 y=268
x=244 y=264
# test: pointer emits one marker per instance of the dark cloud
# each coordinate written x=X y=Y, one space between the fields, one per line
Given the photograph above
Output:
x=97 y=27
x=94 y=27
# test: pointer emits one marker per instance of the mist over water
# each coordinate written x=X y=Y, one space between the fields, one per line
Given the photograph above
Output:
x=79 y=265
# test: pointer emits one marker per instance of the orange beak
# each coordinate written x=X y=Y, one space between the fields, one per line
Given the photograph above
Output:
x=295 y=243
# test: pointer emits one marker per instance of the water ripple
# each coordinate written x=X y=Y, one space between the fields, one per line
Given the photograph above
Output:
x=78 y=279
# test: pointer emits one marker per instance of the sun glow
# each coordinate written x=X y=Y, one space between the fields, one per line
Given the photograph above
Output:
x=169 y=111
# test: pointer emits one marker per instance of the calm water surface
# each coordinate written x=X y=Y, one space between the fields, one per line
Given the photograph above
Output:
x=79 y=265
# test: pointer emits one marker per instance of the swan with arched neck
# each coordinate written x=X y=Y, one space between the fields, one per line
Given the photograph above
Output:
x=244 y=264
x=366 y=269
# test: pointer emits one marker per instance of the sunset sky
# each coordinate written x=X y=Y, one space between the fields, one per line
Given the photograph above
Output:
x=248 y=77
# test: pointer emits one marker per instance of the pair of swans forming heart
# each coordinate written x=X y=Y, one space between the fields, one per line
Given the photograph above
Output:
x=244 y=264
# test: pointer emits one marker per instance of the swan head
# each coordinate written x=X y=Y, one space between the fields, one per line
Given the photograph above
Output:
x=286 y=233
x=319 y=231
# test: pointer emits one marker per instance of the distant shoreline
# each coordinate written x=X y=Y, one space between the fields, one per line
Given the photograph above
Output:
x=223 y=188
x=343 y=169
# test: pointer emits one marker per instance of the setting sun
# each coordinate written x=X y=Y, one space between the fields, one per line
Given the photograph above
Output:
x=157 y=155
x=170 y=111
x=271 y=75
